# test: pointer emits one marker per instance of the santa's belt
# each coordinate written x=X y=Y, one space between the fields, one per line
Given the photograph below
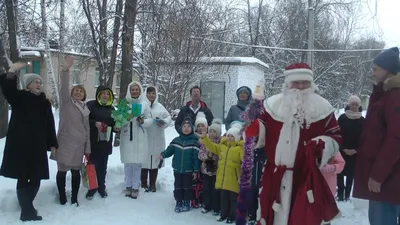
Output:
x=279 y=171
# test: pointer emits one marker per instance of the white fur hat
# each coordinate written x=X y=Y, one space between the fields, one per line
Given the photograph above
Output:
x=216 y=125
x=201 y=119
x=235 y=131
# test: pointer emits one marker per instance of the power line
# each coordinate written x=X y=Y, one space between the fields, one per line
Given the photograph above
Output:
x=286 y=49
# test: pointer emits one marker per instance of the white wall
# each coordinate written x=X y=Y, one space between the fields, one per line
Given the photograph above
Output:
x=250 y=76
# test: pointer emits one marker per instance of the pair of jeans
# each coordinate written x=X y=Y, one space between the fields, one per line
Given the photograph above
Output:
x=381 y=213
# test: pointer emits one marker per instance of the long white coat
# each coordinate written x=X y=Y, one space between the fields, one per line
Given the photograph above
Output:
x=135 y=150
x=156 y=135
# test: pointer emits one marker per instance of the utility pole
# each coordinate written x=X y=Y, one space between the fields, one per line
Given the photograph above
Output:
x=311 y=13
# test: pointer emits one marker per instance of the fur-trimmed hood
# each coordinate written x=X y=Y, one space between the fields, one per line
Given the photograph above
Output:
x=141 y=95
x=391 y=83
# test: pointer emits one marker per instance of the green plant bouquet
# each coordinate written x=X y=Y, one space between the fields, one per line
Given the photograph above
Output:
x=122 y=114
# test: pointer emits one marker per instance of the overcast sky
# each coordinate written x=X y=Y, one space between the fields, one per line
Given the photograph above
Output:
x=388 y=19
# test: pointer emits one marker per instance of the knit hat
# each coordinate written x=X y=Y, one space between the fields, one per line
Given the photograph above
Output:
x=201 y=119
x=297 y=72
x=29 y=78
x=216 y=126
x=187 y=121
x=235 y=131
x=354 y=99
x=244 y=89
x=389 y=60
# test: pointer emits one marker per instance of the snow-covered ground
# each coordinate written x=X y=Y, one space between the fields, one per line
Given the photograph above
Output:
x=149 y=208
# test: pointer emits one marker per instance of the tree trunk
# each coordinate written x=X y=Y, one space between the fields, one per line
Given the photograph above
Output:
x=115 y=40
x=127 y=46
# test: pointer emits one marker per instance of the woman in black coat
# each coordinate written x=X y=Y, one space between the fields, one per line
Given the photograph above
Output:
x=100 y=120
x=31 y=133
x=350 y=124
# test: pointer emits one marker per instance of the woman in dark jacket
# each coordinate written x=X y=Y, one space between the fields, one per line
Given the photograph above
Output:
x=101 y=123
x=31 y=133
x=244 y=97
x=350 y=123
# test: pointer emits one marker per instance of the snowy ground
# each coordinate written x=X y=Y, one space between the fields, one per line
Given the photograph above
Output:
x=149 y=208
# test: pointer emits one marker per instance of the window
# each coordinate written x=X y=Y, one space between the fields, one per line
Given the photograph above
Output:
x=36 y=67
x=76 y=75
x=96 y=78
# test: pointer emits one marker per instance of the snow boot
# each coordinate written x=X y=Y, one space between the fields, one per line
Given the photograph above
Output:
x=215 y=213
x=143 y=179
x=75 y=184
x=205 y=211
x=135 y=193
x=103 y=193
x=90 y=194
x=252 y=222
x=153 y=179
x=28 y=213
x=61 y=187
x=178 y=207
x=186 y=206
x=128 y=192
x=220 y=218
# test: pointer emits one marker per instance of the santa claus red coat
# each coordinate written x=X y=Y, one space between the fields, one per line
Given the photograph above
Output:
x=284 y=173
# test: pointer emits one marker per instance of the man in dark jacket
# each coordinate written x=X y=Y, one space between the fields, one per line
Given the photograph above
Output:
x=191 y=109
x=377 y=171
x=101 y=127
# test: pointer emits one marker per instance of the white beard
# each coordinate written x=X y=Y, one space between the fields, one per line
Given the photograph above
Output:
x=297 y=106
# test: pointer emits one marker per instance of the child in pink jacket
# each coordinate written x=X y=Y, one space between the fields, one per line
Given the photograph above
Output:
x=329 y=171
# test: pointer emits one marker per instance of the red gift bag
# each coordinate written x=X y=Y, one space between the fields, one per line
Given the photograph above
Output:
x=89 y=177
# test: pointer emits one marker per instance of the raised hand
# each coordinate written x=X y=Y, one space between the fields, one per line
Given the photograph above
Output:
x=16 y=66
x=68 y=62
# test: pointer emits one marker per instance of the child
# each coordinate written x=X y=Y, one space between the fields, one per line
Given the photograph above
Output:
x=209 y=167
x=185 y=164
x=230 y=153
x=329 y=171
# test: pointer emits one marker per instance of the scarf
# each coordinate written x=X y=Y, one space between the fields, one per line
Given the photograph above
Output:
x=353 y=115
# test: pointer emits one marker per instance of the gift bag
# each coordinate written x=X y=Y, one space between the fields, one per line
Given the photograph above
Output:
x=89 y=177
x=136 y=109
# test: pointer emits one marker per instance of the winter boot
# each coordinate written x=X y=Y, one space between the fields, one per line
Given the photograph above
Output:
x=103 y=193
x=205 y=211
x=186 y=206
x=221 y=218
x=32 y=195
x=252 y=222
x=215 y=213
x=178 y=207
x=75 y=184
x=230 y=220
x=143 y=179
x=135 y=193
x=61 y=188
x=153 y=179
x=28 y=213
x=128 y=192
x=90 y=194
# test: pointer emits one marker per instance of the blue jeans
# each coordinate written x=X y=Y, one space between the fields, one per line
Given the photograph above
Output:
x=381 y=213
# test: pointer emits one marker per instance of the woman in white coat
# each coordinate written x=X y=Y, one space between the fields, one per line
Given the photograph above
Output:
x=156 y=135
x=133 y=138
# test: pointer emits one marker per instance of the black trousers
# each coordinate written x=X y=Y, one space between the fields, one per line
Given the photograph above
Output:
x=342 y=188
x=183 y=189
x=100 y=162
x=255 y=184
x=228 y=204
x=211 y=196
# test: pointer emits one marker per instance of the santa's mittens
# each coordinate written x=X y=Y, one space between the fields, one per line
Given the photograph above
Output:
x=328 y=168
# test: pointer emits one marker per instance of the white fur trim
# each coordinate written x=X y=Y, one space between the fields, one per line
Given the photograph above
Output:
x=310 y=196
x=298 y=75
x=338 y=216
x=258 y=210
x=261 y=136
x=273 y=106
x=331 y=148
x=263 y=222
x=276 y=206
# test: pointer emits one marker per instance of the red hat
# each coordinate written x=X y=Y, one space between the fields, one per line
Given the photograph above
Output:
x=298 y=72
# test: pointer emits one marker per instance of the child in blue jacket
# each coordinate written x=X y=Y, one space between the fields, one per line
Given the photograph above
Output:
x=185 y=163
